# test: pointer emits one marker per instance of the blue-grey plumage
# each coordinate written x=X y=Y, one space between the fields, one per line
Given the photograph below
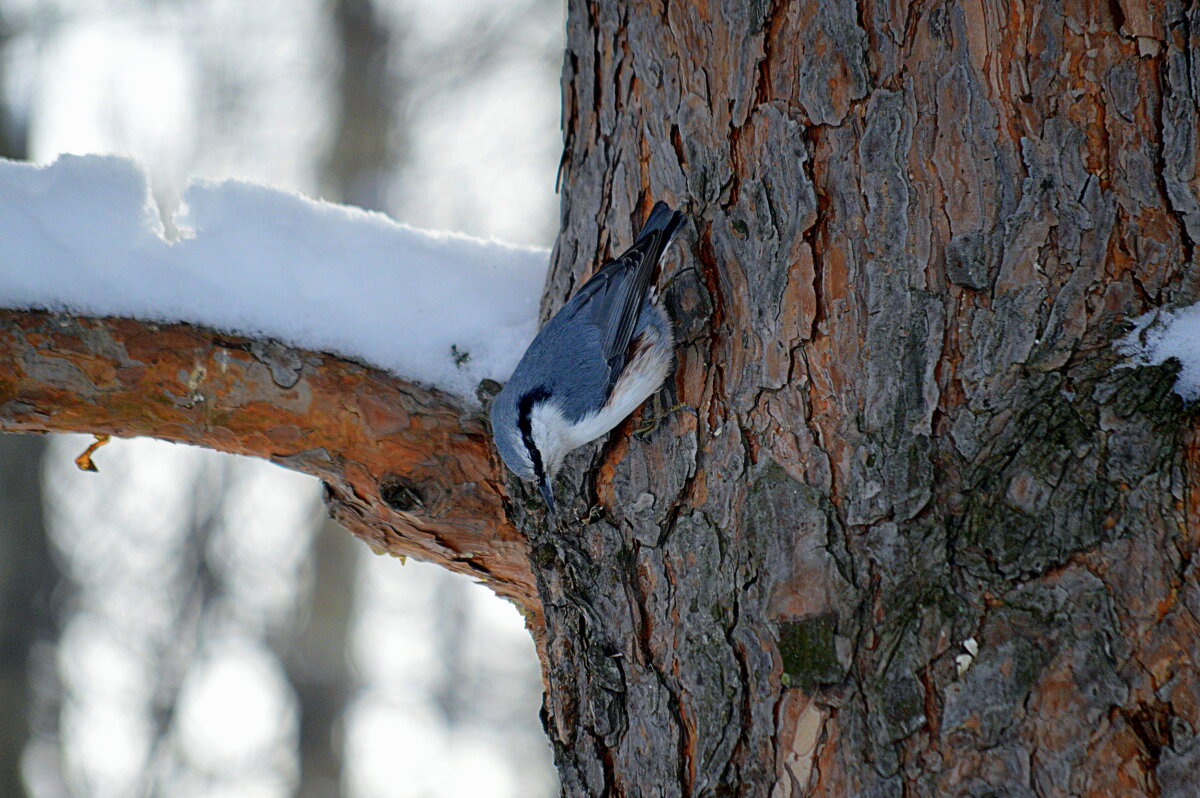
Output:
x=607 y=350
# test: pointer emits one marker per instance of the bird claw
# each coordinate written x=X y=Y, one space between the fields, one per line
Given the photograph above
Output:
x=658 y=416
x=591 y=515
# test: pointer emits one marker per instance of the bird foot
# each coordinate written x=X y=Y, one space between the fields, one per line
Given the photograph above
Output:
x=591 y=515
x=658 y=416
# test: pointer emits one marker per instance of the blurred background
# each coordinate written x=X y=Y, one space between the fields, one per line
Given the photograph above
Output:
x=185 y=623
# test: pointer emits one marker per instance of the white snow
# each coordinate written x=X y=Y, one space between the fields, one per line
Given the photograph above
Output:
x=1161 y=335
x=83 y=235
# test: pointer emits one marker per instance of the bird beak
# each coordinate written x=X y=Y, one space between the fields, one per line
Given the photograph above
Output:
x=547 y=493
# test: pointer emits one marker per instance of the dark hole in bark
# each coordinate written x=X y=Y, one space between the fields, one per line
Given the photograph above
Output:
x=1152 y=725
x=400 y=493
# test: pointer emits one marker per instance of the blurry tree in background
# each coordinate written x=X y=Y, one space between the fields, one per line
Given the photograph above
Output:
x=27 y=579
x=13 y=130
x=364 y=153
x=28 y=574
x=317 y=664
x=190 y=661
x=168 y=685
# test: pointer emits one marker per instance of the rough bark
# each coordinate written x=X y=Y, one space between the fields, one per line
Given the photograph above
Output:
x=924 y=537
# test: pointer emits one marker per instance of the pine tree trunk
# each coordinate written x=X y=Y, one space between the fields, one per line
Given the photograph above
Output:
x=924 y=535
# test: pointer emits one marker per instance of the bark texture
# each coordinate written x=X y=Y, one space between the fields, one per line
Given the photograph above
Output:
x=923 y=537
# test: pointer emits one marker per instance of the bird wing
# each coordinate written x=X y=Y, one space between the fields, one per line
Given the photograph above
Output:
x=613 y=298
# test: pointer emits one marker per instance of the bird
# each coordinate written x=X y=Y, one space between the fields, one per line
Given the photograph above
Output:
x=608 y=349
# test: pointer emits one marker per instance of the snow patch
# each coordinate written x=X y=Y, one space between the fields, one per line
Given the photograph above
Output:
x=1161 y=335
x=83 y=235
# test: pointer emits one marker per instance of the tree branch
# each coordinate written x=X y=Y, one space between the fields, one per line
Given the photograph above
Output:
x=406 y=468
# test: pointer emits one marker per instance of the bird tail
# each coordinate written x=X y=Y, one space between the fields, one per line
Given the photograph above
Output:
x=661 y=220
x=637 y=265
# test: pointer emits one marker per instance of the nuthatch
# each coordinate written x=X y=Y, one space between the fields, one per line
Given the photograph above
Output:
x=594 y=363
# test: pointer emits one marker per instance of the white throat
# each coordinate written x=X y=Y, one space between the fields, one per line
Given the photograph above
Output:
x=551 y=435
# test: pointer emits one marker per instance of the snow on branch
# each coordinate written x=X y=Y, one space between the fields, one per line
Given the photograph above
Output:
x=83 y=235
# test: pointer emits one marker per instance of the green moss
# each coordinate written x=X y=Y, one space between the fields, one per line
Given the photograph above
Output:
x=915 y=599
x=1049 y=485
x=809 y=652
x=544 y=556
x=1028 y=662
x=903 y=702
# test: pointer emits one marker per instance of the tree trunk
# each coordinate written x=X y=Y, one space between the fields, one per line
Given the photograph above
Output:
x=364 y=148
x=923 y=536
x=318 y=665
x=28 y=577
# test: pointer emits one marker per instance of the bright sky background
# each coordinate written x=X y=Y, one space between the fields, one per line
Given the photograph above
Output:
x=118 y=76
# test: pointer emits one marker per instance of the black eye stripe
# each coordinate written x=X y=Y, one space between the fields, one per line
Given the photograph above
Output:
x=525 y=425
